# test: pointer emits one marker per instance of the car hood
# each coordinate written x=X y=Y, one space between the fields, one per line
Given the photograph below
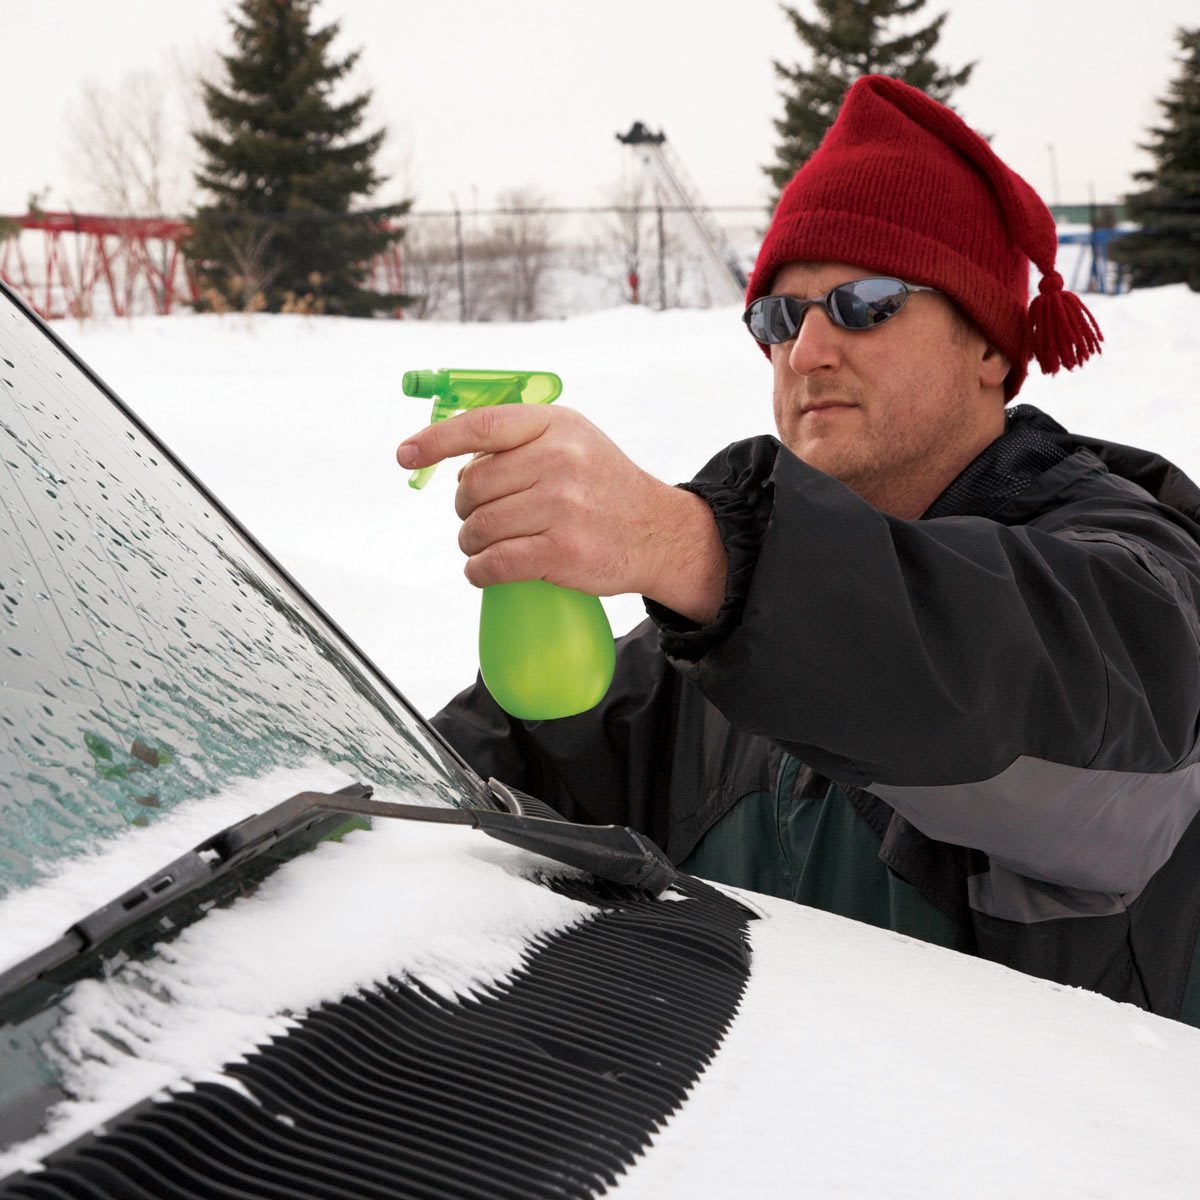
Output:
x=854 y=1060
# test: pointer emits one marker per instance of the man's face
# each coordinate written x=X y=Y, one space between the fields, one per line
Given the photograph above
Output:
x=894 y=412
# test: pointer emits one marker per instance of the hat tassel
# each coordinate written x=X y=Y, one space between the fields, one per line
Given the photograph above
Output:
x=1064 y=332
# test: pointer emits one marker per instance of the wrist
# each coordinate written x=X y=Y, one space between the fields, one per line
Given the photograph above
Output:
x=692 y=564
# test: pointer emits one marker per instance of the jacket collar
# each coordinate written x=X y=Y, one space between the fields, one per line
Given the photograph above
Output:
x=1033 y=443
x=1030 y=445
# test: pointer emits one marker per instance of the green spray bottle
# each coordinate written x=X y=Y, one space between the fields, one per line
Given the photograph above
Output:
x=544 y=651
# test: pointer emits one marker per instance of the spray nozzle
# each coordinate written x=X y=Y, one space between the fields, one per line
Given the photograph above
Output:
x=453 y=391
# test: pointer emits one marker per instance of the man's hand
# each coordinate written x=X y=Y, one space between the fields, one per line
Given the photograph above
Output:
x=548 y=496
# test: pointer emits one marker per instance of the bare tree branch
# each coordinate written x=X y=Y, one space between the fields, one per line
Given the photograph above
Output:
x=523 y=244
x=129 y=145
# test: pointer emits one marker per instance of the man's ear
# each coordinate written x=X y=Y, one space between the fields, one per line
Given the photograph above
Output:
x=993 y=368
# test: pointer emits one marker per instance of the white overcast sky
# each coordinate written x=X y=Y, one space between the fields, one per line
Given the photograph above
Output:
x=480 y=95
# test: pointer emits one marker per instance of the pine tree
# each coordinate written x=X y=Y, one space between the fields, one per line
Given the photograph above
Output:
x=846 y=40
x=1166 y=249
x=288 y=169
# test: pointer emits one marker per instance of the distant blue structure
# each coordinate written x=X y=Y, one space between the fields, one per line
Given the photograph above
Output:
x=1102 y=275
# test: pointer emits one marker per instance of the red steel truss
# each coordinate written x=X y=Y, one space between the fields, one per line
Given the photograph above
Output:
x=123 y=265
x=135 y=263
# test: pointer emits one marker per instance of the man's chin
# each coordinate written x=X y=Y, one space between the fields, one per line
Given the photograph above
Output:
x=828 y=454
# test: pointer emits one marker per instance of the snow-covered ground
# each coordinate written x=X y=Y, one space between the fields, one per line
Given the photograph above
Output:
x=862 y=1063
x=294 y=422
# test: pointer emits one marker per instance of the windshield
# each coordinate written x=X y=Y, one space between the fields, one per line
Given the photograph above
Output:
x=150 y=651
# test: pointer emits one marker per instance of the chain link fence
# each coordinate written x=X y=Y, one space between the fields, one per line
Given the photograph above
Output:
x=525 y=263
x=518 y=262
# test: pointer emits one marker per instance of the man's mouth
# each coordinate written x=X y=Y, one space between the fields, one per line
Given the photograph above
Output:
x=825 y=405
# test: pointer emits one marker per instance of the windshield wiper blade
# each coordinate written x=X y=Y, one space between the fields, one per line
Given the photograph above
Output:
x=227 y=863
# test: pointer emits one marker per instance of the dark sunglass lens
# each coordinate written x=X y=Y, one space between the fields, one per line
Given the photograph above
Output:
x=848 y=309
x=868 y=302
x=775 y=318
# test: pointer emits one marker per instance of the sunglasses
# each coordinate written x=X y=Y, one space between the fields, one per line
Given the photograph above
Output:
x=860 y=304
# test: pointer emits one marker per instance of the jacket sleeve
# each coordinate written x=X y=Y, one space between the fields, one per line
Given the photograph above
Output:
x=1029 y=690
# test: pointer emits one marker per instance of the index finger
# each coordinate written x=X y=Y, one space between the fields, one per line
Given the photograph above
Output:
x=486 y=430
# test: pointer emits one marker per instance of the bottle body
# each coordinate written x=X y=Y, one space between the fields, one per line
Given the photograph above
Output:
x=544 y=651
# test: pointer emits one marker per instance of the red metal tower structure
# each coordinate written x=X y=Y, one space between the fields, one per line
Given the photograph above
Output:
x=135 y=264
x=122 y=265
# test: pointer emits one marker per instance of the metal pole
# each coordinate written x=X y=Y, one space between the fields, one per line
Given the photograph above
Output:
x=1054 y=174
x=1096 y=282
x=462 y=271
x=662 y=262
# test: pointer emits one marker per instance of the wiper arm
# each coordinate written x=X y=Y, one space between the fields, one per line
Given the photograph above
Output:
x=612 y=852
x=237 y=857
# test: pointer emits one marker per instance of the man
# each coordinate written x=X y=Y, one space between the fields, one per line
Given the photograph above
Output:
x=928 y=664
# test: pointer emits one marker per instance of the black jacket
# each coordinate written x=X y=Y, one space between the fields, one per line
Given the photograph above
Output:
x=1008 y=690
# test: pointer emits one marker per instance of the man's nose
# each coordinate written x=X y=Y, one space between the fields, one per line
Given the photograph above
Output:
x=817 y=347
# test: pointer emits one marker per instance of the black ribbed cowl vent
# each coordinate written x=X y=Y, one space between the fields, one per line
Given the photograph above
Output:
x=549 y=1086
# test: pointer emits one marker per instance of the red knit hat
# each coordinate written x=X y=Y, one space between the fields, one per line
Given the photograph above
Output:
x=900 y=184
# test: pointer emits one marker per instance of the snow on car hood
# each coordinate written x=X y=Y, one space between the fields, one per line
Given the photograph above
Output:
x=865 y=1063
x=443 y=904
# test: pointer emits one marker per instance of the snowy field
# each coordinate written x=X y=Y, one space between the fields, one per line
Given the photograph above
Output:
x=294 y=422
x=862 y=1063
